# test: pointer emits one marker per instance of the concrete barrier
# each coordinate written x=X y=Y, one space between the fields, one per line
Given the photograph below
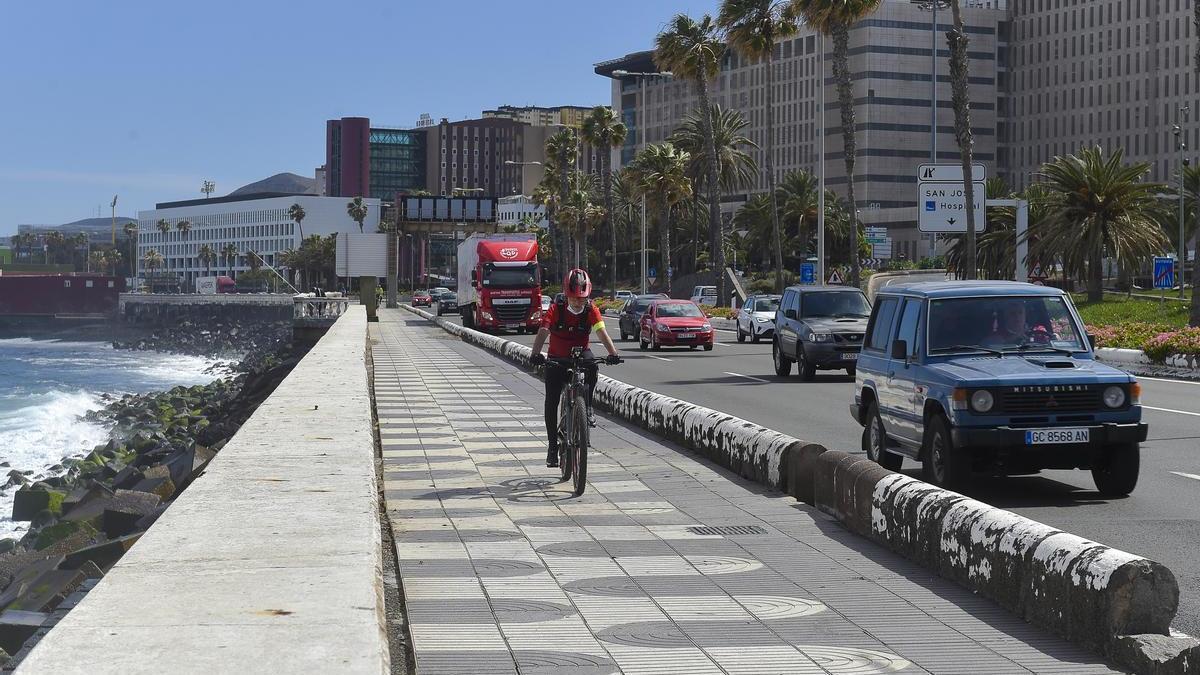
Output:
x=1114 y=602
x=270 y=562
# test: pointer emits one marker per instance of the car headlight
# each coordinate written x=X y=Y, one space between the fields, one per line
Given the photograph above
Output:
x=762 y=319
x=1114 y=396
x=536 y=315
x=707 y=326
x=820 y=337
x=486 y=315
x=982 y=401
x=661 y=327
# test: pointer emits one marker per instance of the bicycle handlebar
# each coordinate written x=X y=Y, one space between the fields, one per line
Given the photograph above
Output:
x=571 y=361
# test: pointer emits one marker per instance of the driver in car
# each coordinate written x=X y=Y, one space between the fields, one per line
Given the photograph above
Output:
x=1008 y=327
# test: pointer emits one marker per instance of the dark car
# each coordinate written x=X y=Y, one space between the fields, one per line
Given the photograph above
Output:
x=447 y=302
x=675 y=323
x=819 y=327
x=993 y=377
x=422 y=299
x=630 y=320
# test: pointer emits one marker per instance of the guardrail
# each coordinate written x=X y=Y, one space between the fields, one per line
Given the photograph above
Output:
x=319 y=308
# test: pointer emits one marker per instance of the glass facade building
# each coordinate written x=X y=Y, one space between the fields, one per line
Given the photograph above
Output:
x=397 y=162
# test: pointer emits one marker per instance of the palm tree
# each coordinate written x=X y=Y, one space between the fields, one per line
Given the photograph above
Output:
x=184 y=226
x=957 y=40
x=1191 y=195
x=112 y=258
x=297 y=214
x=834 y=18
x=736 y=168
x=1097 y=206
x=229 y=252
x=797 y=198
x=562 y=151
x=152 y=260
x=752 y=28
x=55 y=242
x=80 y=241
x=691 y=50
x=357 y=211
x=163 y=225
x=207 y=256
x=96 y=259
x=131 y=233
x=579 y=212
x=660 y=170
x=603 y=131
x=754 y=218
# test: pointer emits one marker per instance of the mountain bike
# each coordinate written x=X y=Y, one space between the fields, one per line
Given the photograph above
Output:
x=573 y=419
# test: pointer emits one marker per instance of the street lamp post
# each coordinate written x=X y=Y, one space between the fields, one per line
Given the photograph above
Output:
x=933 y=7
x=509 y=162
x=641 y=128
x=1181 y=141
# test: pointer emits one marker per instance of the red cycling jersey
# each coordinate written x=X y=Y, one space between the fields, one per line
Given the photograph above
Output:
x=577 y=329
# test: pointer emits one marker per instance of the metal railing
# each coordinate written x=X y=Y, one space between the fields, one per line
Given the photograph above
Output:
x=319 y=308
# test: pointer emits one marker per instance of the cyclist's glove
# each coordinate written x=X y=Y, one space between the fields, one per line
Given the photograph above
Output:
x=537 y=359
x=612 y=359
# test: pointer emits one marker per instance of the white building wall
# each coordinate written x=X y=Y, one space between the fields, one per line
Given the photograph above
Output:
x=510 y=210
x=261 y=225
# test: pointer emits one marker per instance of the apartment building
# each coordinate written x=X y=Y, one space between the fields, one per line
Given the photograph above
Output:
x=566 y=115
x=891 y=59
x=1107 y=72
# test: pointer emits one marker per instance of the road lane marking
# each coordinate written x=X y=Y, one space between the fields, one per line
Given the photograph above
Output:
x=749 y=377
x=1178 y=412
x=655 y=357
x=1163 y=379
x=1186 y=475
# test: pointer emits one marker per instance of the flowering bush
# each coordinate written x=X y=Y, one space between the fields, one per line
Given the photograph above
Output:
x=719 y=312
x=1158 y=341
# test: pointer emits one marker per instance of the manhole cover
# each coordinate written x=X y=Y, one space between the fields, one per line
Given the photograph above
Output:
x=726 y=530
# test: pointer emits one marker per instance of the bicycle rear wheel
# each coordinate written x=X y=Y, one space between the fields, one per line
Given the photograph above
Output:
x=579 y=445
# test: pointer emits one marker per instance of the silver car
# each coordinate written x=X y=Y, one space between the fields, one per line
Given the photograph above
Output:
x=756 y=318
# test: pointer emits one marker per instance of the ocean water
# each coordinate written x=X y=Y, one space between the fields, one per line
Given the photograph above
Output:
x=47 y=385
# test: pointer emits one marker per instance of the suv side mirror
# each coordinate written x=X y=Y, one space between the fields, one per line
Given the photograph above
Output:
x=474 y=284
x=899 y=349
x=789 y=314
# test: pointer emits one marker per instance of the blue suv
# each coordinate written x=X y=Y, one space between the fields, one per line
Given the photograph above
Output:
x=996 y=377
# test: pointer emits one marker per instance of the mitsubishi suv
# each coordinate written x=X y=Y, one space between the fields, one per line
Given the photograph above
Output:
x=996 y=377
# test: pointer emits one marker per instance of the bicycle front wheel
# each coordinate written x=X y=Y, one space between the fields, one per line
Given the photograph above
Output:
x=565 y=437
x=579 y=445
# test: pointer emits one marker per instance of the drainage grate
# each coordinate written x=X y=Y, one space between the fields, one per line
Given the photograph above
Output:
x=726 y=530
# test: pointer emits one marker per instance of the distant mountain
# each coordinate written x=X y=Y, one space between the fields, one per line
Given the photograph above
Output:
x=285 y=183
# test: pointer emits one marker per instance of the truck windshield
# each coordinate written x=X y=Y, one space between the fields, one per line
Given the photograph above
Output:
x=834 y=303
x=1008 y=323
x=510 y=277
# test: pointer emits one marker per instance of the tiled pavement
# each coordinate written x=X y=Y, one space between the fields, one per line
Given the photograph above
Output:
x=505 y=572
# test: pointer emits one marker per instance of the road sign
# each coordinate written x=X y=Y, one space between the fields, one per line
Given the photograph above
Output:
x=1164 y=272
x=942 y=207
x=950 y=173
x=808 y=273
x=835 y=278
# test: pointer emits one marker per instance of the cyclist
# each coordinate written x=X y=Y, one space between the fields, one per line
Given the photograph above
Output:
x=569 y=323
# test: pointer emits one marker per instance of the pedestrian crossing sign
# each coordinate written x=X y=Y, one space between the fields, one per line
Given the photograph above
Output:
x=835 y=278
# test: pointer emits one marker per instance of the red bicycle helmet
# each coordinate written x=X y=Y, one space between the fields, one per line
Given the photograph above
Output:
x=577 y=284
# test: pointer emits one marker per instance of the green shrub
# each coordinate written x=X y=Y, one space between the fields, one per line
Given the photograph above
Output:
x=719 y=312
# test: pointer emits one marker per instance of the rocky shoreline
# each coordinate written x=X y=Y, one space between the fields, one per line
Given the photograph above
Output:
x=94 y=506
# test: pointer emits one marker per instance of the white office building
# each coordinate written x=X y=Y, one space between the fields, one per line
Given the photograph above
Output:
x=511 y=210
x=254 y=222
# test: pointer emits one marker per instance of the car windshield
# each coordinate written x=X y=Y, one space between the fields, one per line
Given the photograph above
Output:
x=1003 y=324
x=524 y=276
x=834 y=303
x=766 y=304
x=674 y=309
x=449 y=295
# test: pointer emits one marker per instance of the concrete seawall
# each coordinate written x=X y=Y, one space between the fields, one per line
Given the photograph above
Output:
x=270 y=561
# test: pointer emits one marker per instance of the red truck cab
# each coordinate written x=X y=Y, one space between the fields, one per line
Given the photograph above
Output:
x=499 y=285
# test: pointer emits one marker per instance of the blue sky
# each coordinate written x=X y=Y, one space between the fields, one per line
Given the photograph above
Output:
x=148 y=99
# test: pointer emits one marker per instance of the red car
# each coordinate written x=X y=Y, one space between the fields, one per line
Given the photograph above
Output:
x=422 y=299
x=675 y=323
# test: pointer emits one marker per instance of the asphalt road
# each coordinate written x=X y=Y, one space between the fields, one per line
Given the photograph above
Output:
x=1160 y=520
